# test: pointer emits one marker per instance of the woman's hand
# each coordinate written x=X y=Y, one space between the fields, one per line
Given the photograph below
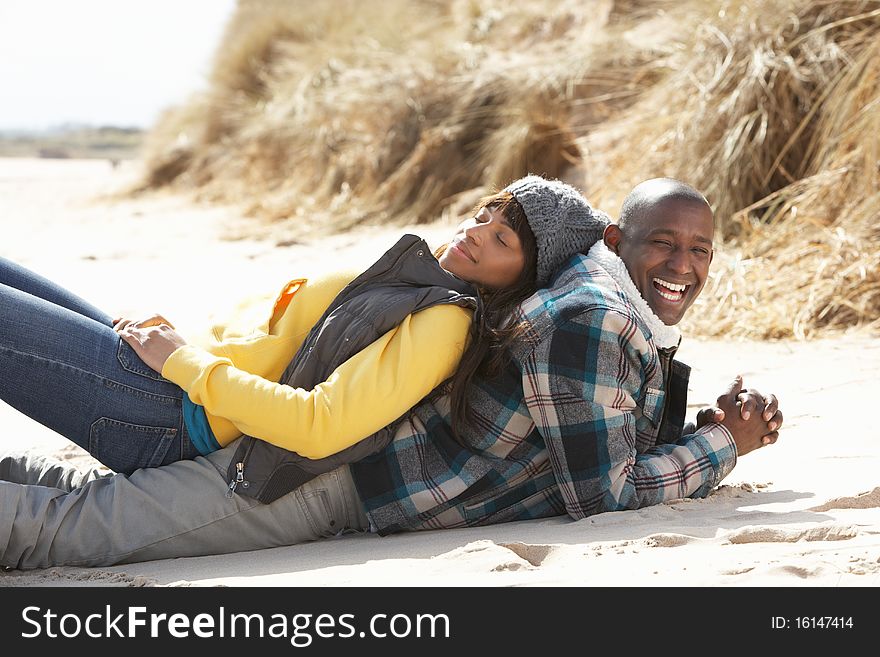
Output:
x=153 y=339
x=155 y=320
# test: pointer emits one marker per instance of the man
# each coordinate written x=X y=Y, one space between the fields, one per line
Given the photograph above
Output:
x=589 y=415
x=586 y=417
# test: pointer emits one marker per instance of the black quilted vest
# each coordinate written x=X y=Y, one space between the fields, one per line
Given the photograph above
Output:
x=406 y=279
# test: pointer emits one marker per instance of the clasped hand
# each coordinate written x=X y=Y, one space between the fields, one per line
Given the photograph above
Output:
x=153 y=339
x=753 y=419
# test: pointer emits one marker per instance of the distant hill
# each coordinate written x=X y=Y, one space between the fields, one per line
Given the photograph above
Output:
x=73 y=141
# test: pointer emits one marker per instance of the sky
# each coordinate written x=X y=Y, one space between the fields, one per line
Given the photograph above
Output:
x=103 y=62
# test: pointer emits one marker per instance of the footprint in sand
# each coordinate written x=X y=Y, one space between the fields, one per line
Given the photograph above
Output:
x=759 y=534
x=534 y=554
x=668 y=540
x=57 y=577
x=861 y=501
x=805 y=566
x=502 y=556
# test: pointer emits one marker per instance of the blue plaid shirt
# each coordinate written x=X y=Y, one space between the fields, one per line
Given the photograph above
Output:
x=574 y=425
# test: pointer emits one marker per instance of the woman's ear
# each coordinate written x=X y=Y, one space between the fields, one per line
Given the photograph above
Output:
x=612 y=236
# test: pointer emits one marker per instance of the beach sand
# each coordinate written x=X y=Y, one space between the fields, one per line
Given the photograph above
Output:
x=803 y=512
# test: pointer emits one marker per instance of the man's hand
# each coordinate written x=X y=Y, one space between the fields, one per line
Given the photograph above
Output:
x=748 y=416
x=153 y=339
x=749 y=402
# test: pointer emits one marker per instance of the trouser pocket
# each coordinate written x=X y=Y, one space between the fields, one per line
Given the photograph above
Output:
x=318 y=511
x=125 y=447
x=131 y=362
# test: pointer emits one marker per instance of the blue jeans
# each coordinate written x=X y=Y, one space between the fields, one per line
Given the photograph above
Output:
x=63 y=365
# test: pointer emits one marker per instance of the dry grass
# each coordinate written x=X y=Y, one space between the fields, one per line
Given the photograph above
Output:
x=803 y=183
x=387 y=110
x=394 y=110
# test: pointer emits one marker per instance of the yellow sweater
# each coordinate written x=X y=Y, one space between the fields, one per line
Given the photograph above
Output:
x=234 y=373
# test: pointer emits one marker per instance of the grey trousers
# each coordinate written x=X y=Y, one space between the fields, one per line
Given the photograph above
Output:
x=53 y=515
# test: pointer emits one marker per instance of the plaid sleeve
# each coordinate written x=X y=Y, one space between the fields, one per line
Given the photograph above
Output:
x=582 y=385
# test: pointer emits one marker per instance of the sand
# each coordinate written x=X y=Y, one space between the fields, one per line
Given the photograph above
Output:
x=803 y=512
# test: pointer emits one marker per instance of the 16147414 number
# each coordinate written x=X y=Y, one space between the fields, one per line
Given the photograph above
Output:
x=823 y=622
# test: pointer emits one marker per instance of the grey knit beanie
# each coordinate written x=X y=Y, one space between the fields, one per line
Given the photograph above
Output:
x=560 y=218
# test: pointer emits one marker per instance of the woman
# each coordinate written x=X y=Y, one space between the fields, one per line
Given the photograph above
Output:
x=135 y=394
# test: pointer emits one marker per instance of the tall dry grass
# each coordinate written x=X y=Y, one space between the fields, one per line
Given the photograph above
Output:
x=386 y=110
x=394 y=108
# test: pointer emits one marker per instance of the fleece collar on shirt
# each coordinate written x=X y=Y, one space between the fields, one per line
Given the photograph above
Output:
x=664 y=336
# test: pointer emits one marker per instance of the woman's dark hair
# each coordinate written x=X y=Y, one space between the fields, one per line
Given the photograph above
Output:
x=495 y=328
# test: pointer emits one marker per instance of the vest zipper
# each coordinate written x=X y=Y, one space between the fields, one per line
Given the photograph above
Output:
x=239 y=471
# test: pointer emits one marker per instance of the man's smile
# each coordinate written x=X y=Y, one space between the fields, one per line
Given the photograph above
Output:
x=670 y=291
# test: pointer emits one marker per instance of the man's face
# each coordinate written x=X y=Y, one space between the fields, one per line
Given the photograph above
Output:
x=667 y=253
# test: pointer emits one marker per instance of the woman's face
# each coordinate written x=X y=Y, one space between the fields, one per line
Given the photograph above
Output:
x=485 y=251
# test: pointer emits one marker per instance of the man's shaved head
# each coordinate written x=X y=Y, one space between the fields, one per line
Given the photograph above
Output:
x=645 y=196
x=664 y=237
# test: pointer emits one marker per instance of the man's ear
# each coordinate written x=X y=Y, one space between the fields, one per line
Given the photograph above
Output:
x=612 y=236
